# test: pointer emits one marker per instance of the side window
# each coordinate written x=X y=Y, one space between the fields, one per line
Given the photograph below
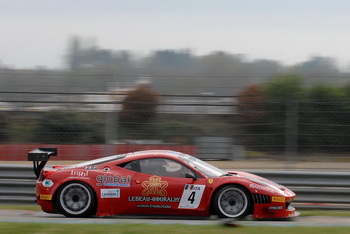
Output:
x=133 y=166
x=163 y=167
x=153 y=166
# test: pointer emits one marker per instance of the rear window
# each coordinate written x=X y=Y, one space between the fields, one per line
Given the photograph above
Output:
x=97 y=161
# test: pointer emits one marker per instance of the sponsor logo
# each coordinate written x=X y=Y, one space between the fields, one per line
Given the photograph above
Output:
x=45 y=197
x=91 y=168
x=154 y=206
x=113 y=180
x=275 y=207
x=154 y=186
x=110 y=193
x=47 y=183
x=79 y=173
x=153 y=199
x=260 y=187
x=278 y=199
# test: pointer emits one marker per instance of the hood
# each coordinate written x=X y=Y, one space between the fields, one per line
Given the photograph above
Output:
x=262 y=181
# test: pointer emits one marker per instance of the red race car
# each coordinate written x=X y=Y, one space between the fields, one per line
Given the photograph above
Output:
x=155 y=182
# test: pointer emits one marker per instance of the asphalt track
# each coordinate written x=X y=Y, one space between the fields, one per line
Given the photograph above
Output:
x=21 y=216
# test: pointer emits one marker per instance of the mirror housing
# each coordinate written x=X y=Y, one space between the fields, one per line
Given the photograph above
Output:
x=190 y=175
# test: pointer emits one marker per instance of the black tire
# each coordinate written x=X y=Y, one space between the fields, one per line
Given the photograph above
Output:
x=232 y=201
x=76 y=199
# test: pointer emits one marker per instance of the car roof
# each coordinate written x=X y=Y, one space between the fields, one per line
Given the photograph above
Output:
x=147 y=153
x=121 y=158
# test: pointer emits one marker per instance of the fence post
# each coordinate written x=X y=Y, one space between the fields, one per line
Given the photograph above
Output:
x=291 y=142
x=111 y=130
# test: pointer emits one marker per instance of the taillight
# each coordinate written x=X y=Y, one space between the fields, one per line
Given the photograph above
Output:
x=44 y=174
x=41 y=176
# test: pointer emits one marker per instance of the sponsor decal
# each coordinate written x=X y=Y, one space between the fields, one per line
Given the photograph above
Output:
x=210 y=181
x=278 y=199
x=154 y=186
x=79 y=174
x=191 y=196
x=45 y=197
x=91 y=168
x=110 y=193
x=260 y=187
x=153 y=199
x=47 y=183
x=154 y=206
x=113 y=180
x=275 y=207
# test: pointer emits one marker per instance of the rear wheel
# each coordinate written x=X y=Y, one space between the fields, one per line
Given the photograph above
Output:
x=232 y=202
x=76 y=199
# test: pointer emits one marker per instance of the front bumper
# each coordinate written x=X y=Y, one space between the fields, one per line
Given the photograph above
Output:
x=274 y=210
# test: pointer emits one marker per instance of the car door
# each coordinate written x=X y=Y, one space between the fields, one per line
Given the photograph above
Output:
x=161 y=187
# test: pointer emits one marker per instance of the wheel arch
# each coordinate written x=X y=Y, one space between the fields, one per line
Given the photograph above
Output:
x=217 y=189
x=56 y=193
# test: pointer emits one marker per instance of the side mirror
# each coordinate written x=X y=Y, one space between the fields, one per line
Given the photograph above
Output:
x=190 y=175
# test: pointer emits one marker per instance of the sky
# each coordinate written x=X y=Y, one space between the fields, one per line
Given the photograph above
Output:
x=36 y=32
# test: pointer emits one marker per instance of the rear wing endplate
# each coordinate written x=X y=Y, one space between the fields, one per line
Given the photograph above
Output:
x=40 y=156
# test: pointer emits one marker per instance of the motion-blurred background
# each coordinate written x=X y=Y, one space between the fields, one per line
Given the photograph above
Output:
x=194 y=90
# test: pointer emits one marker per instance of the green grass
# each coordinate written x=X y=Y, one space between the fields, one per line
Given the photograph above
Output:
x=20 y=207
x=324 y=212
x=303 y=212
x=8 y=227
x=159 y=228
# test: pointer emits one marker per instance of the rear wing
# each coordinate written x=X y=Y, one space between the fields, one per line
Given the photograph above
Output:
x=40 y=156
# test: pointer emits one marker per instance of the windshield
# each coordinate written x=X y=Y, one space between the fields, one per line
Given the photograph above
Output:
x=206 y=168
x=97 y=161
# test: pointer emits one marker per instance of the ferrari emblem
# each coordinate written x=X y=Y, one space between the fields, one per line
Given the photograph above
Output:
x=154 y=186
x=210 y=181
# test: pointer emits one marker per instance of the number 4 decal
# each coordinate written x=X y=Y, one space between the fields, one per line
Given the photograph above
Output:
x=191 y=196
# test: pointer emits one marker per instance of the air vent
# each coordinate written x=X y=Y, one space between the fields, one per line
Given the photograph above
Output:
x=261 y=199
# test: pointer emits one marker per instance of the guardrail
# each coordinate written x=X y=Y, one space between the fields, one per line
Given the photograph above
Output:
x=325 y=190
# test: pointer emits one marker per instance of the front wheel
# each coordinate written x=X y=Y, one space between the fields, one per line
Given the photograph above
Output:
x=76 y=200
x=232 y=202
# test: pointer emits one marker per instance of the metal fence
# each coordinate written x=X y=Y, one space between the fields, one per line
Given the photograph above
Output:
x=284 y=130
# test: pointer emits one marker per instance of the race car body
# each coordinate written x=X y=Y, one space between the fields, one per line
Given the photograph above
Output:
x=156 y=182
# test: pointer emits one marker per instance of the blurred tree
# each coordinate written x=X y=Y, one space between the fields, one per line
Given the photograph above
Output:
x=324 y=119
x=84 y=54
x=282 y=97
x=317 y=70
x=222 y=64
x=68 y=127
x=263 y=111
x=252 y=113
x=178 y=131
x=169 y=62
x=251 y=103
x=317 y=66
x=139 y=107
x=4 y=128
x=319 y=115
